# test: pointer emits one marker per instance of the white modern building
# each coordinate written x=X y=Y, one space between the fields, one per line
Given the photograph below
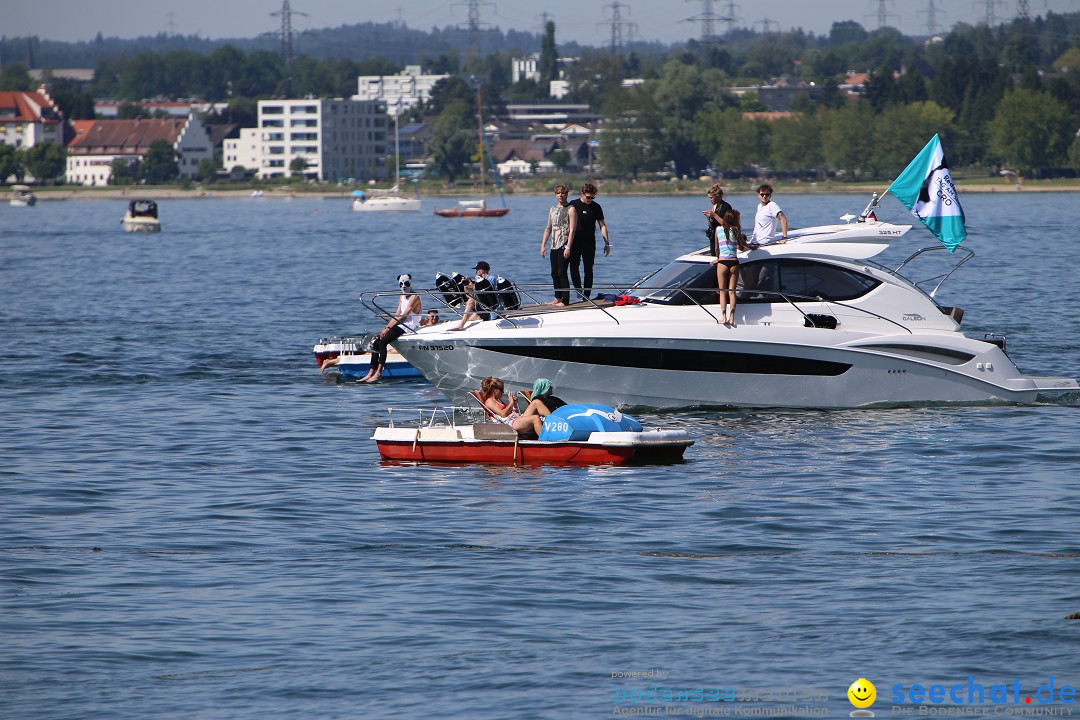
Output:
x=242 y=151
x=403 y=91
x=338 y=138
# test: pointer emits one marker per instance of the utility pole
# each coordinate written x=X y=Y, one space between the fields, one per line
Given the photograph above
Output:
x=707 y=18
x=617 y=24
x=1023 y=12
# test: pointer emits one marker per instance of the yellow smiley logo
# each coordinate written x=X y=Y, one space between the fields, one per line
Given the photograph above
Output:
x=862 y=693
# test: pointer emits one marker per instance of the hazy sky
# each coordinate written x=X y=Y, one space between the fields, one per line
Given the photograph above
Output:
x=587 y=23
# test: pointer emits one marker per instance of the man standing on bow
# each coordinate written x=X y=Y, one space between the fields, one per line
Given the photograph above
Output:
x=585 y=215
x=768 y=212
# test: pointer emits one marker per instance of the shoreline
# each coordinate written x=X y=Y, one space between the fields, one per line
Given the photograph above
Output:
x=53 y=194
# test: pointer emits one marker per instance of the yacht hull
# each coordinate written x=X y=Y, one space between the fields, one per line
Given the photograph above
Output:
x=387 y=204
x=671 y=373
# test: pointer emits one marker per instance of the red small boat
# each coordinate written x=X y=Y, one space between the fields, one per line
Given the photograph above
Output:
x=492 y=443
x=471 y=208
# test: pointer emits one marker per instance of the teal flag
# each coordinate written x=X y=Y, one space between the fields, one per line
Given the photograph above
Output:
x=926 y=189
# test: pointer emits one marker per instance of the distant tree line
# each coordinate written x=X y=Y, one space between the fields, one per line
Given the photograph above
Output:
x=1007 y=95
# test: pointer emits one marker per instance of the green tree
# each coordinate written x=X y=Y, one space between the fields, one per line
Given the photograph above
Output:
x=549 y=56
x=630 y=142
x=847 y=140
x=298 y=166
x=160 y=163
x=795 y=144
x=15 y=77
x=1074 y=154
x=45 y=161
x=207 y=168
x=122 y=172
x=901 y=131
x=452 y=140
x=560 y=158
x=1031 y=130
x=10 y=162
x=730 y=142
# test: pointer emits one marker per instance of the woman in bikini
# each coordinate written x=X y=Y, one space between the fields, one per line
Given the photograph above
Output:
x=491 y=393
x=729 y=242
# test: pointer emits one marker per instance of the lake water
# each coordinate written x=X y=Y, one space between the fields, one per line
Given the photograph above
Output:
x=195 y=524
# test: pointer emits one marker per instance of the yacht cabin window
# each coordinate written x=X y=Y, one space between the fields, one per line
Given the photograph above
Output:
x=686 y=283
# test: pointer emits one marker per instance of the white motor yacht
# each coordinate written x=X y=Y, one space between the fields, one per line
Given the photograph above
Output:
x=22 y=196
x=818 y=325
x=388 y=201
x=141 y=216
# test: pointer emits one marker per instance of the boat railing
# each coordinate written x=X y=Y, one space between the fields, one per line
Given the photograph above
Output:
x=966 y=254
x=515 y=317
x=425 y=417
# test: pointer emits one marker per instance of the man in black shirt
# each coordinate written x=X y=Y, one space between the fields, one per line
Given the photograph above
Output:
x=585 y=215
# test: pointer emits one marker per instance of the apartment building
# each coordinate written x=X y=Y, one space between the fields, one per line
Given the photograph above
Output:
x=337 y=138
x=398 y=92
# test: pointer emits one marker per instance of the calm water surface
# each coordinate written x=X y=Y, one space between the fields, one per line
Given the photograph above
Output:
x=194 y=524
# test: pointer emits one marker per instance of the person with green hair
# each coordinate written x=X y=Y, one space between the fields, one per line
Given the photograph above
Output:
x=541 y=401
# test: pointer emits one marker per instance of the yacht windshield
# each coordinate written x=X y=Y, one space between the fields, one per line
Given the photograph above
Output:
x=680 y=283
x=686 y=283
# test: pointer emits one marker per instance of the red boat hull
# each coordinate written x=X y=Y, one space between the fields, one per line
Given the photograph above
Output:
x=471 y=212
x=525 y=453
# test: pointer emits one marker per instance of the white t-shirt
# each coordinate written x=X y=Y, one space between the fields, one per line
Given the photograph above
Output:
x=765 y=223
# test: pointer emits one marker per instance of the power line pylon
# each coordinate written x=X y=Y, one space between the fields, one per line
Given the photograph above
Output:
x=731 y=14
x=766 y=23
x=617 y=24
x=932 y=12
x=473 y=23
x=883 y=14
x=285 y=32
x=991 y=10
x=708 y=20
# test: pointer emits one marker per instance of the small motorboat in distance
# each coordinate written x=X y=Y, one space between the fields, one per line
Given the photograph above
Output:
x=388 y=201
x=142 y=216
x=22 y=196
x=572 y=435
x=471 y=208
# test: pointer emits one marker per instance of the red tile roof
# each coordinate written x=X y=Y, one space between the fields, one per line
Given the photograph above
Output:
x=18 y=106
x=134 y=136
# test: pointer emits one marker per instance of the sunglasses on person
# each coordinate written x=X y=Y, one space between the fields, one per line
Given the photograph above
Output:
x=765 y=194
x=589 y=197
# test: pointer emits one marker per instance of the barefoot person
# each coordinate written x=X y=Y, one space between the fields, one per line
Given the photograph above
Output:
x=492 y=390
x=729 y=241
x=407 y=317
x=715 y=214
x=585 y=215
x=558 y=229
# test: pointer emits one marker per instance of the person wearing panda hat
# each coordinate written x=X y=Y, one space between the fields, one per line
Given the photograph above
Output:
x=407 y=317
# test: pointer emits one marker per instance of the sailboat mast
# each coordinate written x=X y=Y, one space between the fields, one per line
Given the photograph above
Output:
x=397 y=150
x=480 y=129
